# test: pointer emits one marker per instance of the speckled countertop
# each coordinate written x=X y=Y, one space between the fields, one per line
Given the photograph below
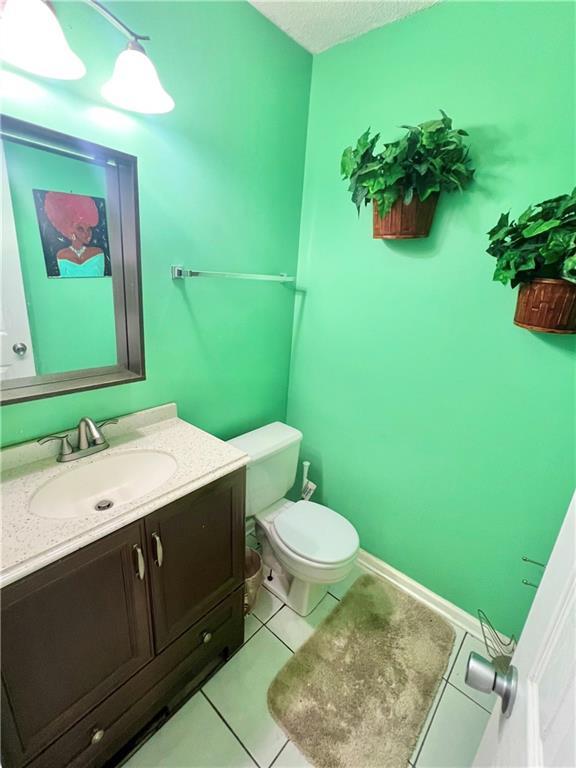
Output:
x=29 y=542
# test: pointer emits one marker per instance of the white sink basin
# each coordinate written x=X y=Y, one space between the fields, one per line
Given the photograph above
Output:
x=103 y=484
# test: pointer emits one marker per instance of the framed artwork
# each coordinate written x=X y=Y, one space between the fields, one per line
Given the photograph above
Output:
x=74 y=234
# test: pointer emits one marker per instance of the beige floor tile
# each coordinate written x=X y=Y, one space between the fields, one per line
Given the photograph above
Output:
x=195 y=737
x=239 y=692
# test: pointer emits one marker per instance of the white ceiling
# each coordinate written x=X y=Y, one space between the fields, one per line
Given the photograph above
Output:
x=319 y=24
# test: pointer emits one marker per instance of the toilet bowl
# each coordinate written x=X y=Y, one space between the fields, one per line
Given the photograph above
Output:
x=305 y=546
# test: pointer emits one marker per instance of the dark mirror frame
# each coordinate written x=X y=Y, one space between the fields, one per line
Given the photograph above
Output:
x=124 y=235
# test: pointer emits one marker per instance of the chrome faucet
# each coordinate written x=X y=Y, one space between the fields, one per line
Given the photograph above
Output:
x=89 y=440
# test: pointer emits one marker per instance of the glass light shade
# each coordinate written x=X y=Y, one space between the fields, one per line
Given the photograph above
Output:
x=135 y=84
x=32 y=39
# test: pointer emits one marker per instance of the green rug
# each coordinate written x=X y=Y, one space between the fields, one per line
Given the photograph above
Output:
x=357 y=693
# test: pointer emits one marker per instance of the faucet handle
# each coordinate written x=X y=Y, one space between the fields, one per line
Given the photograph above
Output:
x=65 y=447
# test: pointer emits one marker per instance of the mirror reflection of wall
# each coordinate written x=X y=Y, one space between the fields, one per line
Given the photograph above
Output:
x=57 y=297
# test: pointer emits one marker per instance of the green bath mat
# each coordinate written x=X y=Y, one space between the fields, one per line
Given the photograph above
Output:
x=357 y=693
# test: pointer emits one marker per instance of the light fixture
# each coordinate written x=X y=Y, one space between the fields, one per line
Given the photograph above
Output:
x=32 y=39
x=135 y=84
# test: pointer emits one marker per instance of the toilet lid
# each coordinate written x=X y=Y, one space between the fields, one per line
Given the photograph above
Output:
x=316 y=532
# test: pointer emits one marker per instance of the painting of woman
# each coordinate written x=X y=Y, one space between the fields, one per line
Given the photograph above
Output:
x=74 y=234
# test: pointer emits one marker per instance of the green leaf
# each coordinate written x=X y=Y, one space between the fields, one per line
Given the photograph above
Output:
x=500 y=231
x=446 y=120
x=569 y=269
x=429 y=191
x=503 y=274
x=390 y=152
x=433 y=125
x=347 y=163
x=363 y=142
x=386 y=200
x=408 y=195
x=369 y=168
x=540 y=226
x=359 y=196
x=524 y=263
x=560 y=243
x=523 y=218
x=390 y=175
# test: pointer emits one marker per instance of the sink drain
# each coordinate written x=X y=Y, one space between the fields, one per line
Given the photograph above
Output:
x=100 y=506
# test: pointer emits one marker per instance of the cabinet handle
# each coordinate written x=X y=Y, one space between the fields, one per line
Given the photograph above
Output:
x=206 y=637
x=140 y=565
x=97 y=736
x=158 y=549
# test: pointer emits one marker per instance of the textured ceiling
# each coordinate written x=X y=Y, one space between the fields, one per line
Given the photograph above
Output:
x=320 y=24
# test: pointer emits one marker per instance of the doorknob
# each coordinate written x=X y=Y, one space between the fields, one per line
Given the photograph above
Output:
x=483 y=676
x=20 y=348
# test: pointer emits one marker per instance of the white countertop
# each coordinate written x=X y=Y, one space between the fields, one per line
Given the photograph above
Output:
x=29 y=542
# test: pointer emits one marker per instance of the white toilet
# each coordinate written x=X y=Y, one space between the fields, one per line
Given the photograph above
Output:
x=305 y=546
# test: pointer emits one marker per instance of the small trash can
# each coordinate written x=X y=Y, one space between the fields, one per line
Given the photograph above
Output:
x=252 y=578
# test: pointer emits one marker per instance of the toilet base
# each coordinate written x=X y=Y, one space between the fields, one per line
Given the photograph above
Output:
x=301 y=596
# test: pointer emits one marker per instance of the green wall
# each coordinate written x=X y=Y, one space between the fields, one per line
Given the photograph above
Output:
x=220 y=181
x=442 y=431
x=71 y=320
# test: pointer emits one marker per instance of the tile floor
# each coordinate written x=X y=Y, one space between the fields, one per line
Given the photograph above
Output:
x=227 y=724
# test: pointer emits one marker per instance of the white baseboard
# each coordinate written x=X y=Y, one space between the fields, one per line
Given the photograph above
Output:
x=448 y=610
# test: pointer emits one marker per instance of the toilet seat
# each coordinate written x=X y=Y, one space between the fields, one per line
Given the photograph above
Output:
x=316 y=533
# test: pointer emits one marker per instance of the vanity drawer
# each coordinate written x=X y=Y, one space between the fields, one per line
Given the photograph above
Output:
x=161 y=685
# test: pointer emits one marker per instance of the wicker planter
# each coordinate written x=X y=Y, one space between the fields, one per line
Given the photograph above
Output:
x=405 y=221
x=547 y=306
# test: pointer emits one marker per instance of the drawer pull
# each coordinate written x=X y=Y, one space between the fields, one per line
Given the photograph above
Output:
x=97 y=735
x=140 y=565
x=206 y=637
x=158 y=549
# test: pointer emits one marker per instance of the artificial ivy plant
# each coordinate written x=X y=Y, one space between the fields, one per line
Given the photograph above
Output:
x=430 y=158
x=540 y=244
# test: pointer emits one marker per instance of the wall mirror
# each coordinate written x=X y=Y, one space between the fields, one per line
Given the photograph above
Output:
x=71 y=298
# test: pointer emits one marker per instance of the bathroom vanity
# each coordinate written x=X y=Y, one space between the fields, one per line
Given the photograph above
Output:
x=111 y=619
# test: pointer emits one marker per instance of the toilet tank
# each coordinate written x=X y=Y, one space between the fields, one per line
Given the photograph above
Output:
x=273 y=452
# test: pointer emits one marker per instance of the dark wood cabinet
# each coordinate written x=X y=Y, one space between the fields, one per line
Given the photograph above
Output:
x=71 y=634
x=95 y=645
x=196 y=551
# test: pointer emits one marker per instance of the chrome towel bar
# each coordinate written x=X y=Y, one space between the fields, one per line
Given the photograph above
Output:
x=179 y=273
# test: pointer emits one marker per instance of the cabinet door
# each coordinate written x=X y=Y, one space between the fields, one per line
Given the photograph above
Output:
x=71 y=634
x=196 y=554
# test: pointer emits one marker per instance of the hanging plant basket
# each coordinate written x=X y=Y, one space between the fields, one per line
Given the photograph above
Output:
x=547 y=305
x=429 y=159
x=404 y=222
x=537 y=252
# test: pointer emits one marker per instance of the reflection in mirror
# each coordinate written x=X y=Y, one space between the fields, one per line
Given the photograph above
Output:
x=59 y=300
x=69 y=250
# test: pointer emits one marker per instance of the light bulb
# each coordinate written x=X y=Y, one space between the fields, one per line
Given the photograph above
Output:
x=135 y=84
x=32 y=39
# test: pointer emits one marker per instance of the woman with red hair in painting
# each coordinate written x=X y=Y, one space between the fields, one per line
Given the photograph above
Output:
x=75 y=216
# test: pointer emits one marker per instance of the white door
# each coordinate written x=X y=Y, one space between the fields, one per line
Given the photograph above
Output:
x=541 y=730
x=16 y=353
